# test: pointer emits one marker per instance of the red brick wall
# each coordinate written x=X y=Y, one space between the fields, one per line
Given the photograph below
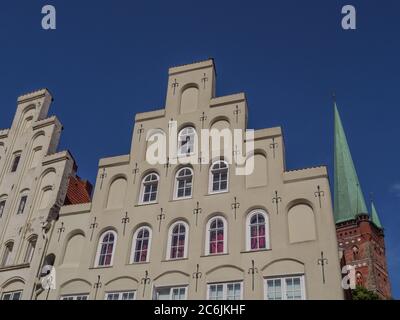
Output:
x=369 y=259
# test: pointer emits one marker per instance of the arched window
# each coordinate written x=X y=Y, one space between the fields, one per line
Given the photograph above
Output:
x=22 y=204
x=216 y=238
x=219 y=177
x=257 y=237
x=183 y=183
x=106 y=248
x=2 y=205
x=7 y=254
x=141 y=245
x=30 y=250
x=178 y=240
x=355 y=253
x=186 y=140
x=17 y=158
x=359 y=279
x=149 y=188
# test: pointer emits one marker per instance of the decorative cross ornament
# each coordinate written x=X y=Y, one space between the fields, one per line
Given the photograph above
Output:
x=166 y=166
x=140 y=131
x=276 y=200
x=102 y=176
x=203 y=118
x=93 y=226
x=124 y=221
x=160 y=218
x=197 y=275
x=204 y=80
x=253 y=270
x=145 y=281
x=236 y=113
x=200 y=159
x=196 y=211
x=319 y=193
x=273 y=146
x=60 y=230
x=135 y=171
x=235 y=205
x=175 y=85
x=97 y=285
x=322 y=262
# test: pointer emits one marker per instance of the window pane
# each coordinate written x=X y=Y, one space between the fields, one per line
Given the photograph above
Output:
x=163 y=294
x=233 y=291
x=274 y=291
x=216 y=292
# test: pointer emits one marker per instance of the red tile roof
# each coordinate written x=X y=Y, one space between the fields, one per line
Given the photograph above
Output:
x=79 y=191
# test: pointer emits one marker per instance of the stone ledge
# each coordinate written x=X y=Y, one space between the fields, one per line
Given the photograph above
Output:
x=114 y=161
x=305 y=174
x=33 y=95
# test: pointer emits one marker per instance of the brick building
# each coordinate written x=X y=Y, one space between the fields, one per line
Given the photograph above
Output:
x=359 y=230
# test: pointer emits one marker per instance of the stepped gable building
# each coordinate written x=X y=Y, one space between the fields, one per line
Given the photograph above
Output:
x=359 y=230
x=198 y=231
x=34 y=183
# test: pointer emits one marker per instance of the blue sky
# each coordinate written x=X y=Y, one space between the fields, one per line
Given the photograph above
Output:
x=108 y=60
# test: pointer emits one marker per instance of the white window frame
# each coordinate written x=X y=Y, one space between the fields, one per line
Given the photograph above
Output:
x=78 y=296
x=207 y=244
x=143 y=185
x=283 y=285
x=176 y=197
x=225 y=289
x=134 y=240
x=12 y=293
x=120 y=294
x=267 y=230
x=188 y=131
x=171 y=288
x=211 y=178
x=169 y=242
x=99 y=245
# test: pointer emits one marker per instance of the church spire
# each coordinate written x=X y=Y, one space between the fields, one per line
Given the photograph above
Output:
x=349 y=199
x=374 y=216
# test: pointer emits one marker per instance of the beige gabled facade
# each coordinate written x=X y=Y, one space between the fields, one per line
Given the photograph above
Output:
x=33 y=186
x=214 y=234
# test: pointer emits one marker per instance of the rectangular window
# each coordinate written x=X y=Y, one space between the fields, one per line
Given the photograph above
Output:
x=22 y=204
x=2 y=206
x=123 y=295
x=15 y=295
x=285 y=288
x=170 y=293
x=75 y=297
x=15 y=163
x=150 y=192
x=225 y=291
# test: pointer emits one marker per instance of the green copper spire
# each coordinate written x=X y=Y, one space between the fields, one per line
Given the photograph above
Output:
x=349 y=199
x=374 y=216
